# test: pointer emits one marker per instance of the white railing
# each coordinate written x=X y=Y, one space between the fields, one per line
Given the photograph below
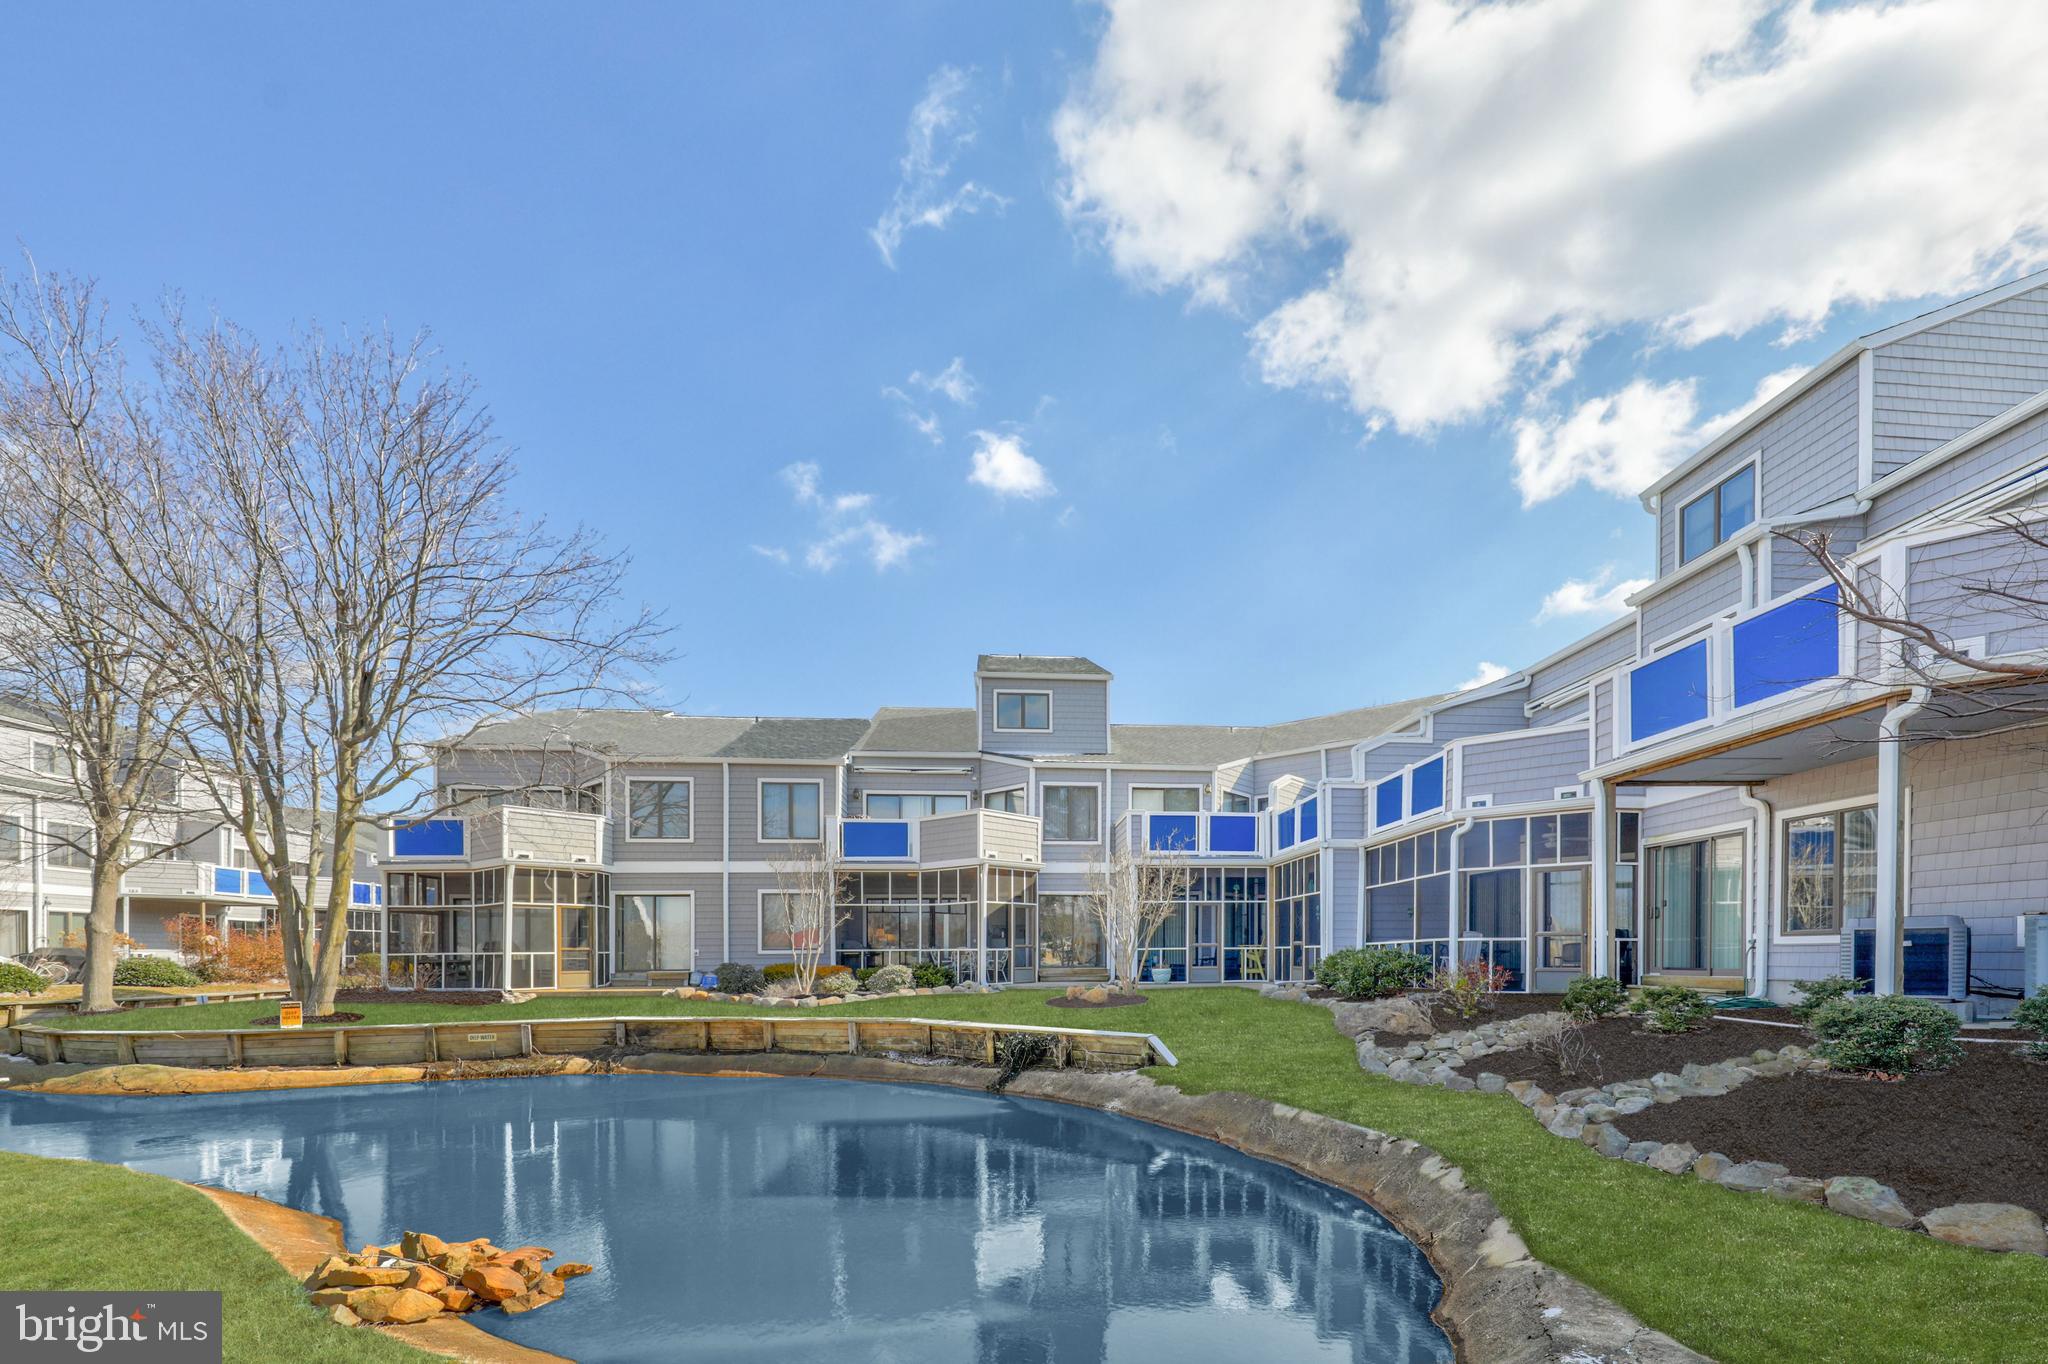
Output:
x=1228 y=834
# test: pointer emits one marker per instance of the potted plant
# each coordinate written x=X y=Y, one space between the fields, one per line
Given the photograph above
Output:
x=1161 y=975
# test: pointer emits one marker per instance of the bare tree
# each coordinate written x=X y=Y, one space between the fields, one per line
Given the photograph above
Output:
x=79 y=645
x=1131 y=893
x=348 y=581
x=809 y=887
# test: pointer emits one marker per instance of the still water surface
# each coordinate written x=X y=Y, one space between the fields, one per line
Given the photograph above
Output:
x=771 y=1219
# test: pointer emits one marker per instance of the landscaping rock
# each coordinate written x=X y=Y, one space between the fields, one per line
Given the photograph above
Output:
x=426 y=1279
x=403 y=1308
x=1712 y=1166
x=1489 y=1083
x=1988 y=1226
x=1751 y=1176
x=1401 y=1016
x=494 y=1283
x=1675 y=1158
x=1641 y=1151
x=1095 y=994
x=454 y=1262
x=363 y=1276
x=1797 y=1189
x=1605 y=1139
x=339 y=1314
x=1457 y=1082
x=455 y=1299
x=1569 y=1123
x=1601 y=1112
x=1859 y=1196
x=572 y=1270
x=1632 y=1103
x=420 y=1245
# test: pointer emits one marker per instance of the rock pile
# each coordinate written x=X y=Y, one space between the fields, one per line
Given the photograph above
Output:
x=423 y=1276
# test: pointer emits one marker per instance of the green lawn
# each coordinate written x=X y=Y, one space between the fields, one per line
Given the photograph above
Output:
x=72 y=1225
x=1739 y=1277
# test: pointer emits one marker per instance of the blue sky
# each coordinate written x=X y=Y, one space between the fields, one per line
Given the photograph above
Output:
x=1300 y=375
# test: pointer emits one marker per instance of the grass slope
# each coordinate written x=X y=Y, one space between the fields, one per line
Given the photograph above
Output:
x=1745 y=1279
x=72 y=1225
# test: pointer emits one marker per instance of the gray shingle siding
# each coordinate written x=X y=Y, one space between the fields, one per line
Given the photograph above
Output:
x=2023 y=447
x=1346 y=813
x=1934 y=385
x=1809 y=459
x=1524 y=769
x=1079 y=712
x=1708 y=810
x=1340 y=901
x=1596 y=654
x=1951 y=585
x=1386 y=759
x=706 y=810
x=1603 y=721
x=1699 y=598
x=1484 y=715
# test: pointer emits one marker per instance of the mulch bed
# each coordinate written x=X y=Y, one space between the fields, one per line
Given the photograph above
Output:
x=1622 y=1049
x=1113 y=1002
x=271 y=1021
x=1499 y=1009
x=1972 y=1134
x=418 y=997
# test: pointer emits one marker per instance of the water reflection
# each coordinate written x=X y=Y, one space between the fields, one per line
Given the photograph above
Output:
x=746 y=1219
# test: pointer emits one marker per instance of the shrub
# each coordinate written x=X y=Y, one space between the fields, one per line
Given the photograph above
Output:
x=862 y=975
x=889 y=979
x=16 y=979
x=1561 y=1039
x=779 y=970
x=1885 y=1034
x=1591 y=997
x=1673 y=1008
x=240 y=954
x=837 y=983
x=2032 y=1016
x=1370 y=972
x=1814 y=993
x=738 y=978
x=785 y=988
x=158 y=971
x=1464 y=988
x=834 y=969
x=931 y=975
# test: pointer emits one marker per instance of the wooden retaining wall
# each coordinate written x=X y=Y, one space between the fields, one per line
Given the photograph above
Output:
x=378 y=1044
x=17 y=1011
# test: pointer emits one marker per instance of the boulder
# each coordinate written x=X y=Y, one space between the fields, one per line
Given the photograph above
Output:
x=527 y=1253
x=1640 y=1152
x=1988 y=1226
x=370 y=1304
x=1569 y=1123
x=525 y=1302
x=494 y=1283
x=1797 y=1189
x=572 y=1270
x=1712 y=1166
x=426 y=1279
x=1096 y=994
x=1401 y=1016
x=334 y=1297
x=455 y=1299
x=364 y=1276
x=1453 y=1081
x=1751 y=1176
x=318 y=1278
x=1076 y=991
x=420 y=1245
x=1860 y=1196
x=1606 y=1139
x=339 y=1314
x=1675 y=1158
x=403 y=1307
x=455 y=1262
x=1489 y=1083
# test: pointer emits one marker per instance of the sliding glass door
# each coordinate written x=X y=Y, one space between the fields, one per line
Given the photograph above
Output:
x=1695 y=904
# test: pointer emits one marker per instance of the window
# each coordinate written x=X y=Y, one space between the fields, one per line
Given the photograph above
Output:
x=658 y=809
x=43 y=758
x=1072 y=814
x=789 y=810
x=70 y=846
x=1166 y=799
x=774 y=921
x=1009 y=802
x=160 y=786
x=1023 y=710
x=1830 y=870
x=66 y=928
x=1235 y=804
x=1715 y=515
x=10 y=847
x=911 y=807
x=13 y=932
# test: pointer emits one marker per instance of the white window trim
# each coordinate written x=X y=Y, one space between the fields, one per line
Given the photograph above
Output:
x=1044 y=786
x=1135 y=787
x=761 y=810
x=619 y=898
x=995 y=712
x=689 y=782
x=56 y=750
x=1754 y=462
x=52 y=845
x=1003 y=790
x=1776 y=890
x=866 y=795
x=761 y=948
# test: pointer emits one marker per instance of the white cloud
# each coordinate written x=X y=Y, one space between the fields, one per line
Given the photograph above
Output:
x=1599 y=595
x=1620 y=442
x=954 y=382
x=843 y=526
x=1488 y=673
x=1505 y=184
x=940 y=127
x=1001 y=466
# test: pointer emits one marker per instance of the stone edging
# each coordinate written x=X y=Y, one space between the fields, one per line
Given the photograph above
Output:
x=1589 y=1116
x=1500 y=1306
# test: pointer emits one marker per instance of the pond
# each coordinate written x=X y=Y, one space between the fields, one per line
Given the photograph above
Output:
x=735 y=1218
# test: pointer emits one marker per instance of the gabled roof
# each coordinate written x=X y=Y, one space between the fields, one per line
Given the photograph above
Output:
x=1038 y=665
x=662 y=734
x=921 y=729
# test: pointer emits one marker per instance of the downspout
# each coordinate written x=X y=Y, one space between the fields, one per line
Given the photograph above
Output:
x=38 y=907
x=1761 y=911
x=725 y=862
x=1891 y=809
x=1601 y=928
x=1457 y=899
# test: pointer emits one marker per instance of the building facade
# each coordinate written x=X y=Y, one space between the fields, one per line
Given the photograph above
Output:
x=1740 y=784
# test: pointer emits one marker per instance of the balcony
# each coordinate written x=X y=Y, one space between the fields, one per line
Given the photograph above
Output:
x=1221 y=835
x=171 y=879
x=1755 y=658
x=953 y=839
x=502 y=833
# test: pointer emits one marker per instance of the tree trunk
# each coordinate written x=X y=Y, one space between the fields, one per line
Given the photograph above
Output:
x=97 y=987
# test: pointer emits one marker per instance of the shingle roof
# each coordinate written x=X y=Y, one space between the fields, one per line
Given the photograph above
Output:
x=659 y=734
x=1039 y=665
x=921 y=729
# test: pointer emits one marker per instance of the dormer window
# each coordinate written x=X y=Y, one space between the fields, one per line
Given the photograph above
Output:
x=1023 y=710
x=1715 y=515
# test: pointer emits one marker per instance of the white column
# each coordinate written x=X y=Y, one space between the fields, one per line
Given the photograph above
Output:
x=1600 y=923
x=1888 y=958
x=126 y=921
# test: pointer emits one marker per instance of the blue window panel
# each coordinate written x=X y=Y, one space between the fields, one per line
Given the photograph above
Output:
x=1174 y=831
x=257 y=885
x=1308 y=819
x=1426 y=787
x=1787 y=647
x=227 y=881
x=876 y=838
x=1386 y=802
x=1287 y=827
x=1668 y=692
x=428 y=838
x=362 y=893
x=1234 y=833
